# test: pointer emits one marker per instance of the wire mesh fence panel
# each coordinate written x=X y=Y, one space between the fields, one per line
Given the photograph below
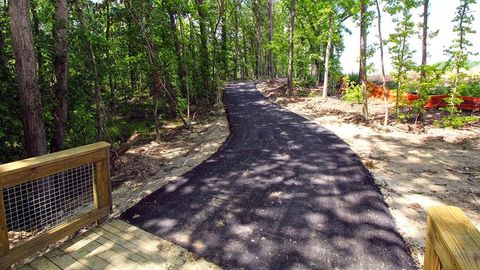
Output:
x=41 y=204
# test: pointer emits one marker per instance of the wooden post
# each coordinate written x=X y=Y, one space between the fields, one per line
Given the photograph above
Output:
x=453 y=242
x=431 y=259
x=4 y=243
x=101 y=185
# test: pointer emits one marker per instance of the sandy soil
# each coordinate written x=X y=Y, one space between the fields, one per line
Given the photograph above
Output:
x=150 y=165
x=415 y=167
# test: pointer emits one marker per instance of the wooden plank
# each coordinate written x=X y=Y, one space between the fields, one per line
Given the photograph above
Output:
x=15 y=173
x=150 y=256
x=112 y=257
x=454 y=238
x=431 y=259
x=31 y=163
x=4 y=243
x=150 y=252
x=149 y=243
x=42 y=263
x=65 y=260
x=76 y=250
x=52 y=236
x=132 y=254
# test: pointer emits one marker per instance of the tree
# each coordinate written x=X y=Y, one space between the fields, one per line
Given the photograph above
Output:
x=400 y=51
x=459 y=50
x=291 y=47
x=34 y=137
x=204 y=59
x=327 y=54
x=382 y=63
x=60 y=33
x=270 y=38
x=363 y=56
x=424 y=38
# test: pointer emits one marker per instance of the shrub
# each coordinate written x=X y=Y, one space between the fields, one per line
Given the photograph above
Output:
x=471 y=89
x=456 y=121
x=353 y=92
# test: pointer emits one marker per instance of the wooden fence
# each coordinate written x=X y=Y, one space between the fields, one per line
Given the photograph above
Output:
x=453 y=242
x=19 y=177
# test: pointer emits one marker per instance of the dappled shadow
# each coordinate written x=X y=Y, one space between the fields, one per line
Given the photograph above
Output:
x=282 y=193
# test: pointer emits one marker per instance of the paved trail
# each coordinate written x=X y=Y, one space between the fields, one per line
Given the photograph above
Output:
x=282 y=193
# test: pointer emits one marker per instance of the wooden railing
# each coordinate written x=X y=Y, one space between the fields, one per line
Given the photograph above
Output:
x=453 y=241
x=59 y=166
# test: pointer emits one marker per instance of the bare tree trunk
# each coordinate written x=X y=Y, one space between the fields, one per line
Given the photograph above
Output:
x=259 y=44
x=60 y=33
x=270 y=38
x=178 y=50
x=237 y=43
x=36 y=31
x=35 y=141
x=290 y=53
x=204 y=61
x=113 y=102
x=3 y=57
x=327 y=56
x=186 y=75
x=223 y=57
x=363 y=56
x=384 y=79
x=193 y=55
x=245 y=57
x=424 y=39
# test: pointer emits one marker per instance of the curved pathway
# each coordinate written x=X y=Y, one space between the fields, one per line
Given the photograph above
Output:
x=282 y=193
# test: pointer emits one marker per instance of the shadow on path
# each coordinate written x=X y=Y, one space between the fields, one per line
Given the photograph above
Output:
x=282 y=193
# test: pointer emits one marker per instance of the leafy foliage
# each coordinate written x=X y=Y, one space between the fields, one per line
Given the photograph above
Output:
x=353 y=92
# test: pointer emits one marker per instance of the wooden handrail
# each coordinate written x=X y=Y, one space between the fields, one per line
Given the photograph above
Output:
x=453 y=241
x=27 y=170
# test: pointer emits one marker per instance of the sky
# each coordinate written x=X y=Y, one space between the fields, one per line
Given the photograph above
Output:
x=442 y=13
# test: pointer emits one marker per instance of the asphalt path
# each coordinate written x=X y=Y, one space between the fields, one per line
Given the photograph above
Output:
x=282 y=193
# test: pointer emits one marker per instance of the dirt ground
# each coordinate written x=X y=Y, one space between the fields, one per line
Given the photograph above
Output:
x=149 y=165
x=415 y=167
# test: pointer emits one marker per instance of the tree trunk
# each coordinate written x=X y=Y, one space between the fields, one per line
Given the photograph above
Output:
x=36 y=32
x=327 y=56
x=223 y=56
x=186 y=74
x=384 y=79
x=113 y=102
x=290 y=52
x=35 y=141
x=194 y=69
x=178 y=51
x=245 y=72
x=363 y=56
x=424 y=39
x=204 y=61
x=270 y=38
x=60 y=62
x=258 y=39
x=3 y=67
x=237 y=43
